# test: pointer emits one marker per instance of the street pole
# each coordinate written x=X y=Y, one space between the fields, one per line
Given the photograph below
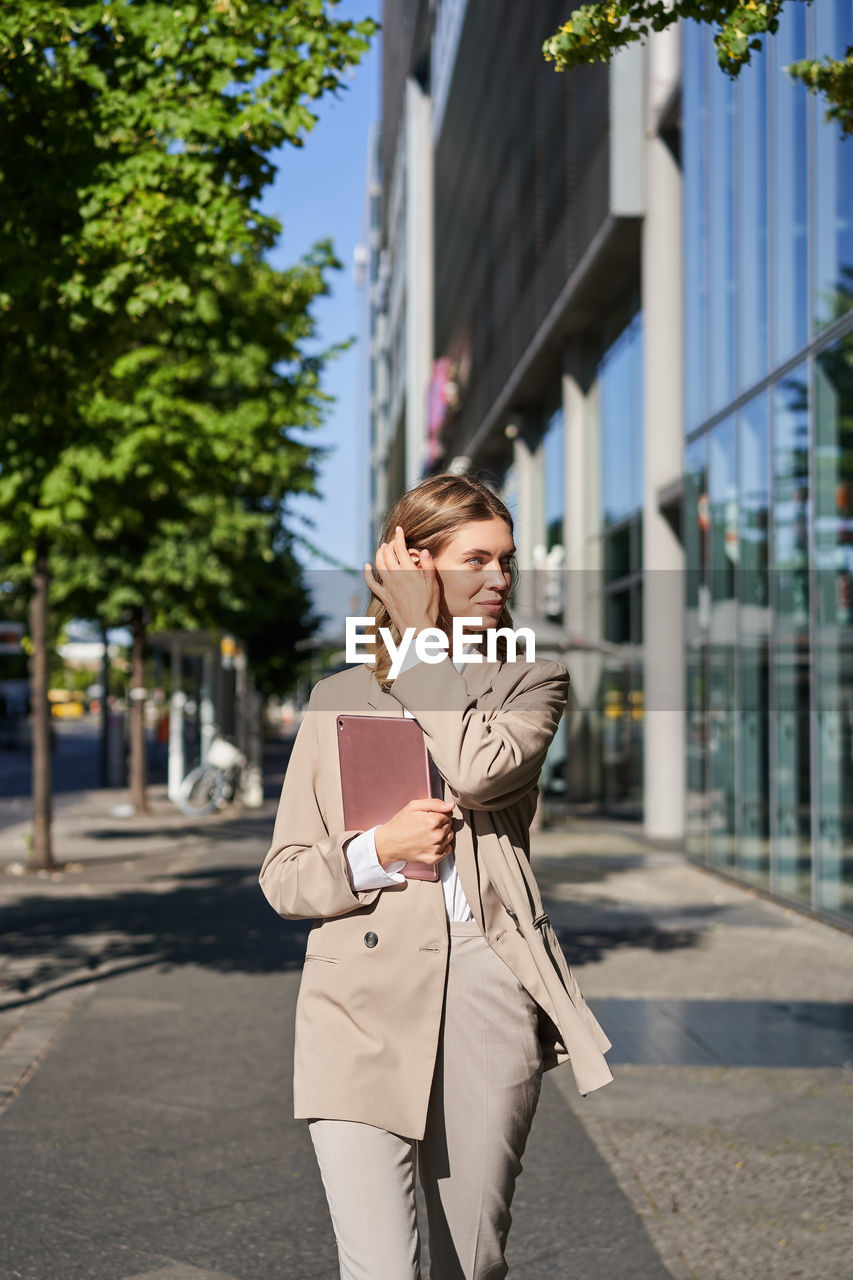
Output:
x=207 y=714
x=176 y=724
x=253 y=784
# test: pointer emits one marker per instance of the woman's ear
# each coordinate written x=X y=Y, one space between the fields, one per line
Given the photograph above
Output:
x=416 y=557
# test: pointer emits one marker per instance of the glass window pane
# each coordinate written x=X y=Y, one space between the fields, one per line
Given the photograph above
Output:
x=695 y=544
x=696 y=523
x=753 y=682
x=723 y=545
x=791 y=505
x=618 y=761
x=637 y=758
x=832 y=234
x=620 y=387
x=695 y=114
x=637 y=419
x=723 y=529
x=553 y=445
x=753 y=518
x=751 y=215
x=696 y=808
x=789 y=297
x=834 y=624
x=618 y=615
x=617 y=554
x=721 y=328
x=791 y=685
x=554 y=584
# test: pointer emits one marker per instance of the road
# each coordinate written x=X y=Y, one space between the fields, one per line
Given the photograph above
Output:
x=76 y=768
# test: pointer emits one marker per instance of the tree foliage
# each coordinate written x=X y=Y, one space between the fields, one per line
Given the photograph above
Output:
x=151 y=364
x=181 y=521
x=594 y=32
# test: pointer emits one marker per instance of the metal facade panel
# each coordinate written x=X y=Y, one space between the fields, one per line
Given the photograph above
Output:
x=521 y=188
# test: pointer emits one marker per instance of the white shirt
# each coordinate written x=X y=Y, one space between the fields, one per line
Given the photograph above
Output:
x=367 y=872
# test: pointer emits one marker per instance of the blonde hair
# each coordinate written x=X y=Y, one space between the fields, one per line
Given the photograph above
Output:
x=429 y=515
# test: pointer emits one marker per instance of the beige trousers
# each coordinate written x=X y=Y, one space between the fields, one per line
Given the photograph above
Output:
x=484 y=1096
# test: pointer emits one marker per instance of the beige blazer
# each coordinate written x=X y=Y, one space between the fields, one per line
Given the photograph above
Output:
x=370 y=998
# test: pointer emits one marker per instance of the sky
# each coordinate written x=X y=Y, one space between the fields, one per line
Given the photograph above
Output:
x=319 y=191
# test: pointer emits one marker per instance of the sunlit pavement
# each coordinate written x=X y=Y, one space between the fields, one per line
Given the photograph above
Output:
x=729 y=1124
x=145 y=1068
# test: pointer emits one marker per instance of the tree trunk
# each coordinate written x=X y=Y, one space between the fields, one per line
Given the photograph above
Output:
x=41 y=856
x=138 y=796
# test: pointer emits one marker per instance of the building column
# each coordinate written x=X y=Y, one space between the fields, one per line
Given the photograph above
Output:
x=663 y=553
x=530 y=521
x=419 y=273
x=583 y=569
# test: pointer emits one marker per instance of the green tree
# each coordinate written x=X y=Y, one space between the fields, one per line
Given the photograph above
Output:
x=181 y=522
x=594 y=32
x=136 y=142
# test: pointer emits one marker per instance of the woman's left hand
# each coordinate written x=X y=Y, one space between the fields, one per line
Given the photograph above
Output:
x=409 y=588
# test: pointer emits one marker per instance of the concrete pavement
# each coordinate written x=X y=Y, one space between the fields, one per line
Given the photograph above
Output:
x=147 y=1003
x=729 y=1124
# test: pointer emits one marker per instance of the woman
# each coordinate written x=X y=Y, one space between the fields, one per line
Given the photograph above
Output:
x=428 y=1010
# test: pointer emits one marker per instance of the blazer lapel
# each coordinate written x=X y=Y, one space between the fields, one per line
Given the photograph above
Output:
x=382 y=702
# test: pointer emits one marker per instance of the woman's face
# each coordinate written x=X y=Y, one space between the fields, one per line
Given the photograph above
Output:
x=474 y=571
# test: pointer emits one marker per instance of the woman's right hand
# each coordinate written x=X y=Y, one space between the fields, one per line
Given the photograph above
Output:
x=420 y=832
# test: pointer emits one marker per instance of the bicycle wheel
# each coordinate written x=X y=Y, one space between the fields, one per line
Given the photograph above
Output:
x=200 y=791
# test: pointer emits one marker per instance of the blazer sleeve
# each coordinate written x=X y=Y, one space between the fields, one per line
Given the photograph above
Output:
x=489 y=757
x=305 y=873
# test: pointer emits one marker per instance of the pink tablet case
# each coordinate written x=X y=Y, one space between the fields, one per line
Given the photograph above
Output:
x=384 y=764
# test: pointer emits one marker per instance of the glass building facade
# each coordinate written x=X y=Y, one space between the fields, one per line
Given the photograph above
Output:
x=768 y=466
x=551 y=596
x=619 y=377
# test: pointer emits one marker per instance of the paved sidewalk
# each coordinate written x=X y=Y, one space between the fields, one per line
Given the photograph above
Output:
x=154 y=1140
x=57 y=939
x=145 y=1015
x=100 y=827
x=101 y=847
x=729 y=1124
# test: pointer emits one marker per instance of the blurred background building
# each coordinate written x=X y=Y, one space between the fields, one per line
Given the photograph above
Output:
x=626 y=293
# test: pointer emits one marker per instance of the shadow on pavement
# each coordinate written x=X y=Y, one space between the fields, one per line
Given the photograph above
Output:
x=585 y=945
x=214 y=916
x=217 y=919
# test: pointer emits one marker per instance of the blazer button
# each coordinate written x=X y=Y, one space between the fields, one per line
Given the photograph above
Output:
x=370 y=939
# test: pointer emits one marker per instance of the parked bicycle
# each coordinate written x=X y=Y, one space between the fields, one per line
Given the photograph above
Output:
x=214 y=784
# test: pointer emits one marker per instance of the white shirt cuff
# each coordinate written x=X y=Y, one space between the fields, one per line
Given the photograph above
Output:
x=366 y=871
